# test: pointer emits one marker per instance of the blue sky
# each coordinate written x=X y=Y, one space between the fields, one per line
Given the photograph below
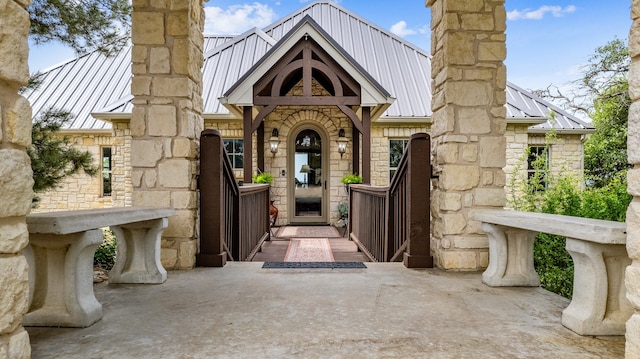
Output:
x=547 y=41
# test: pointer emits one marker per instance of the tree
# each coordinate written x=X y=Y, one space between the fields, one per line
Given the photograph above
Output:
x=81 y=24
x=606 y=78
x=602 y=94
x=52 y=156
x=607 y=68
x=605 y=152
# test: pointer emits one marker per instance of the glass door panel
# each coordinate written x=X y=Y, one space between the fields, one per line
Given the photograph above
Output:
x=308 y=179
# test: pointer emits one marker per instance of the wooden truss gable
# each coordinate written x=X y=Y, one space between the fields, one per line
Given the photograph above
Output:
x=304 y=62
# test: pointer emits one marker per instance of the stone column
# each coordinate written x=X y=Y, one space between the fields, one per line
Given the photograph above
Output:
x=16 y=178
x=469 y=81
x=167 y=120
x=632 y=276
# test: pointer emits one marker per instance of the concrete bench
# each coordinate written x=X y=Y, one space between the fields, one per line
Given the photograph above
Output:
x=60 y=256
x=598 y=249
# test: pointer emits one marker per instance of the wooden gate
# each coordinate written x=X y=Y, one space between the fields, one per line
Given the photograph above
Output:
x=393 y=223
x=234 y=220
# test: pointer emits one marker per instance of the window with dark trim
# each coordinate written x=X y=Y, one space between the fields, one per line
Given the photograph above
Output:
x=396 y=150
x=235 y=151
x=538 y=166
x=106 y=171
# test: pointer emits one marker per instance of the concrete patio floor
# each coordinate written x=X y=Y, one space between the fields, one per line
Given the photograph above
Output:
x=384 y=311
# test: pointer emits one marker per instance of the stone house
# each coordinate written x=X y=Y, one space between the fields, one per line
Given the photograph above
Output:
x=331 y=100
x=167 y=57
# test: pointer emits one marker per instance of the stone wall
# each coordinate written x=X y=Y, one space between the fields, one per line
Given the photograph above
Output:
x=166 y=121
x=121 y=186
x=80 y=191
x=469 y=82
x=632 y=278
x=232 y=129
x=380 y=136
x=16 y=178
x=566 y=154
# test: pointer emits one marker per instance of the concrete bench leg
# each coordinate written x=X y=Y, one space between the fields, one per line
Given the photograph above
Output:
x=599 y=305
x=61 y=280
x=510 y=257
x=138 y=258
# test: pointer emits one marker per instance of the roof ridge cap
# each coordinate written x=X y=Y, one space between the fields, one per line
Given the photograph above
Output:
x=357 y=17
x=235 y=39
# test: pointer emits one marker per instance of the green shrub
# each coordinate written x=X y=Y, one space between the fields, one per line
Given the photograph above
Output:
x=264 y=177
x=563 y=195
x=351 y=179
x=105 y=256
x=343 y=210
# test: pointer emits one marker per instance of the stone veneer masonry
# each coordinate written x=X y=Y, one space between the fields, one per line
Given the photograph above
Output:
x=83 y=192
x=16 y=178
x=80 y=191
x=632 y=278
x=566 y=155
x=469 y=81
x=166 y=121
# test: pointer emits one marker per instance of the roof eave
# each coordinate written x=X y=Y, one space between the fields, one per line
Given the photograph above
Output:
x=220 y=117
x=235 y=109
x=78 y=131
x=528 y=121
x=111 y=116
x=401 y=120
x=563 y=131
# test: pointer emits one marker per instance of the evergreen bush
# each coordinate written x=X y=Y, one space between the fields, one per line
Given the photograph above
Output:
x=105 y=256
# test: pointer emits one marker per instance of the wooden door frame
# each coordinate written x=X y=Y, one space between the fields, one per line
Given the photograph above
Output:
x=326 y=198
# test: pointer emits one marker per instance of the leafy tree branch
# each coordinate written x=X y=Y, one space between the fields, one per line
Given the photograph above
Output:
x=83 y=25
x=52 y=156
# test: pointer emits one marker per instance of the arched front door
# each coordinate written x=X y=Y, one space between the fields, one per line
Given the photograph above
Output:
x=307 y=161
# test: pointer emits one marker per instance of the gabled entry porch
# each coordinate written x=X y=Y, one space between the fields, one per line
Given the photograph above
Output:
x=307 y=109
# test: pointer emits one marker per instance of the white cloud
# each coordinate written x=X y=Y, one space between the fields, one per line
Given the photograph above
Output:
x=538 y=14
x=424 y=30
x=400 y=29
x=237 y=18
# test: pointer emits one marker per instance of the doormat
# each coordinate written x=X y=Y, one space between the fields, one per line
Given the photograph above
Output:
x=309 y=250
x=313 y=265
x=308 y=232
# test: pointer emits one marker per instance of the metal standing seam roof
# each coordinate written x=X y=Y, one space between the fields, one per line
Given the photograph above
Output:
x=395 y=63
x=81 y=85
x=94 y=83
x=310 y=27
x=89 y=83
x=522 y=103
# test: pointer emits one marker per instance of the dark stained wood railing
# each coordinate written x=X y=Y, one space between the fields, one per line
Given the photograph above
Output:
x=254 y=230
x=234 y=220
x=368 y=220
x=392 y=223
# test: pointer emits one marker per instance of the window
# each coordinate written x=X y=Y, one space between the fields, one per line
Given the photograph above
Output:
x=235 y=152
x=396 y=150
x=537 y=166
x=106 y=171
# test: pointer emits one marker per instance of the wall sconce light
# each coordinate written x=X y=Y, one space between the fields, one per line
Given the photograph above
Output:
x=342 y=142
x=274 y=141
